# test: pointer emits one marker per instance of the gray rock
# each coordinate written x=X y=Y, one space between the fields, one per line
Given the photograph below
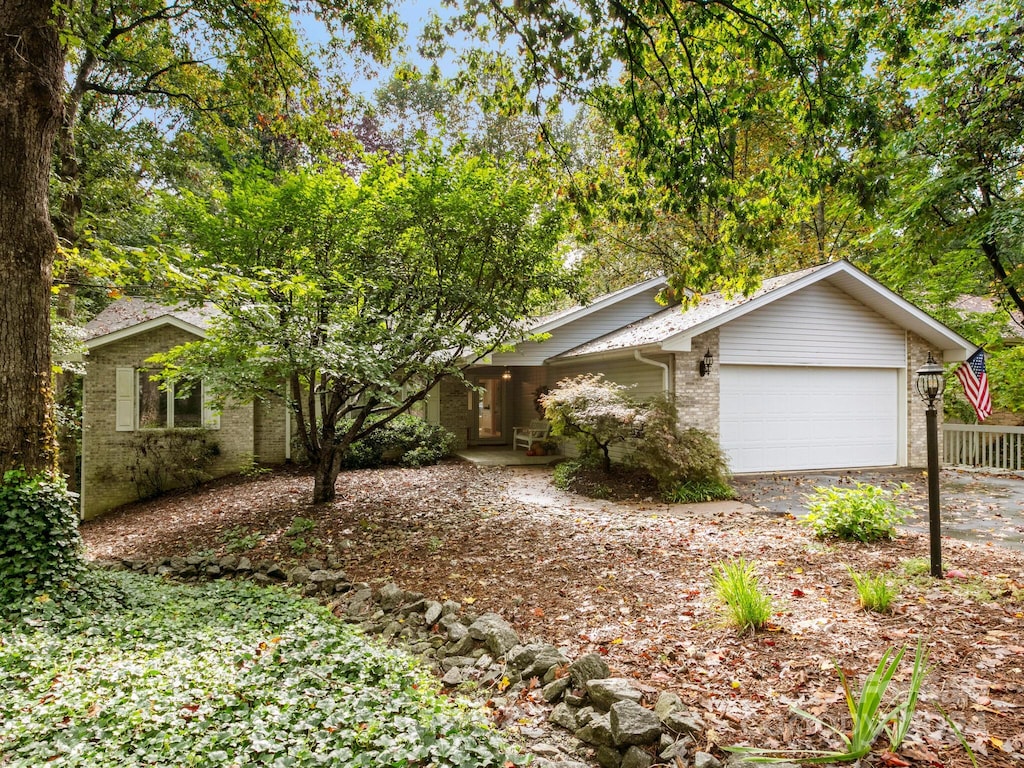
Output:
x=706 y=760
x=635 y=757
x=323 y=580
x=606 y=691
x=680 y=749
x=463 y=647
x=212 y=571
x=417 y=606
x=391 y=629
x=391 y=596
x=299 y=574
x=457 y=632
x=608 y=757
x=495 y=633
x=228 y=562
x=450 y=607
x=553 y=691
x=483 y=661
x=565 y=716
x=432 y=613
x=545 y=750
x=275 y=572
x=667 y=703
x=244 y=565
x=535 y=659
x=449 y=662
x=314 y=565
x=570 y=698
x=194 y=560
x=453 y=676
x=684 y=722
x=598 y=731
x=588 y=667
x=632 y=724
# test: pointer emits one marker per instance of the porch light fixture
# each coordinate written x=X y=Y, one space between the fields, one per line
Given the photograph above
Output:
x=506 y=375
x=704 y=367
x=930 y=383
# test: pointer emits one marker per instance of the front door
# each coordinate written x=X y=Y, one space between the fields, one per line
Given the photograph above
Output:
x=489 y=413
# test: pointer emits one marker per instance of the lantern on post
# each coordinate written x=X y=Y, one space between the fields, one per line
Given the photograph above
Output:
x=931 y=381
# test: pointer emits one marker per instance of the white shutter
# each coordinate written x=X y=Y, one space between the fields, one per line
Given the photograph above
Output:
x=125 y=400
x=211 y=416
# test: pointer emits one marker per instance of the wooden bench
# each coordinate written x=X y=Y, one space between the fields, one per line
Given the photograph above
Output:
x=525 y=437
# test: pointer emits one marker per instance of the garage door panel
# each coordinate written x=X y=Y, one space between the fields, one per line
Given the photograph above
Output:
x=787 y=418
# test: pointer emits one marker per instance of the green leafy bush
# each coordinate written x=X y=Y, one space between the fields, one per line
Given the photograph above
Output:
x=562 y=475
x=40 y=547
x=737 y=587
x=223 y=674
x=406 y=440
x=862 y=513
x=875 y=591
x=159 y=460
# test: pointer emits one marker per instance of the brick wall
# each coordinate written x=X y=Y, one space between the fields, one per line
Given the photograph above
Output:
x=453 y=410
x=268 y=428
x=105 y=451
x=697 y=397
x=917 y=436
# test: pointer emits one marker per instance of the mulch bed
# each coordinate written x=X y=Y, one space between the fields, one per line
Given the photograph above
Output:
x=631 y=581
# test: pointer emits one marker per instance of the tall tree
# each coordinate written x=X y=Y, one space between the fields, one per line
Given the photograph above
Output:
x=363 y=294
x=32 y=73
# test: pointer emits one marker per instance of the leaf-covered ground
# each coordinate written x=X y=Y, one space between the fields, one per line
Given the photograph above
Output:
x=630 y=580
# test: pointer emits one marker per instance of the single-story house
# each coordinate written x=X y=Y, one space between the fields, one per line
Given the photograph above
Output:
x=813 y=371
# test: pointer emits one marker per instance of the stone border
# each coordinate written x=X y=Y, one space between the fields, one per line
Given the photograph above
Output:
x=588 y=716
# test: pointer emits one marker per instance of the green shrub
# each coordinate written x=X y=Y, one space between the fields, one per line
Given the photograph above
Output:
x=40 y=547
x=696 y=491
x=875 y=591
x=223 y=674
x=405 y=440
x=737 y=587
x=674 y=457
x=563 y=474
x=862 y=513
x=300 y=525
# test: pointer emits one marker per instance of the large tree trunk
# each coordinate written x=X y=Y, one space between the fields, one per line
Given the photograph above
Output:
x=326 y=473
x=31 y=74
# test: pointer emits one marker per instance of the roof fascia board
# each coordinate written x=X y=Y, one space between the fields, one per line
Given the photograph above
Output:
x=608 y=354
x=607 y=301
x=147 y=325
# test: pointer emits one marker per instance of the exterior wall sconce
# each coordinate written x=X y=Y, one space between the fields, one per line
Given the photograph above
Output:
x=704 y=367
x=506 y=375
x=930 y=383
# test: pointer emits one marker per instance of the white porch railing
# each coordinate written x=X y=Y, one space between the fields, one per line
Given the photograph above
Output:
x=974 y=445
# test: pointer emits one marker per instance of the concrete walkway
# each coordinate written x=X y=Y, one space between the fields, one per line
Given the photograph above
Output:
x=503 y=456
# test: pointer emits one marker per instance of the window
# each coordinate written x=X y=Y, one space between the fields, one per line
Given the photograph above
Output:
x=142 y=404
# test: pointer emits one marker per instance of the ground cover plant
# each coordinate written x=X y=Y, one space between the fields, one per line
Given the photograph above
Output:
x=864 y=512
x=738 y=589
x=225 y=674
x=630 y=581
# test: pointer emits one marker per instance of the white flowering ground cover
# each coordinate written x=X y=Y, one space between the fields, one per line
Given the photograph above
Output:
x=227 y=674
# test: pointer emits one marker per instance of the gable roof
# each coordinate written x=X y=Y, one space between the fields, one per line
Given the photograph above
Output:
x=671 y=330
x=548 y=323
x=129 y=316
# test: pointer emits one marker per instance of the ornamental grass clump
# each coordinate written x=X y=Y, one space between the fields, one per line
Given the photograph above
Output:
x=875 y=591
x=737 y=587
x=863 y=513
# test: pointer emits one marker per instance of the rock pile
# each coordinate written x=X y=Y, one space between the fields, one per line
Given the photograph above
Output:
x=575 y=712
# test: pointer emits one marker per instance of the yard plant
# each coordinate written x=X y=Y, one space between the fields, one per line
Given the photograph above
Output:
x=224 y=674
x=875 y=591
x=737 y=587
x=863 y=513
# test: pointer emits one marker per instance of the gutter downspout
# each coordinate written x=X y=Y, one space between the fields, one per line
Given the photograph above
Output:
x=665 y=370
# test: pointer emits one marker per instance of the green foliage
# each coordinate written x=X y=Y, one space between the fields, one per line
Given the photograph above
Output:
x=863 y=513
x=251 y=467
x=40 y=548
x=676 y=457
x=236 y=539
x=697 y=491
x=159 y=460
x=738 y=589
x=223 y=674
x=564 y=472
x=869 y=718
x=406 y=440
x=300 y=525
x=875 y=591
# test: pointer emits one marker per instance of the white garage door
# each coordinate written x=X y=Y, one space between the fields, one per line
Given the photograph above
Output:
x=777 y=418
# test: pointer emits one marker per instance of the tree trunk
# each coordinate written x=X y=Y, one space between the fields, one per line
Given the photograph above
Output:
x=326 y=474
x=31 y=70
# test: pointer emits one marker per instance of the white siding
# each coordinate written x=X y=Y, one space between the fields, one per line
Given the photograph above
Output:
x=648 y=379
x=573 y=334
x=819 y=325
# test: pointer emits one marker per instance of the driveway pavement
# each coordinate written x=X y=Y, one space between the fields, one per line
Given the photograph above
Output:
x=975 y=506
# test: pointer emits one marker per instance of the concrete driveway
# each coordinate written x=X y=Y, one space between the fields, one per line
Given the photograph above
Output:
x=975 y=506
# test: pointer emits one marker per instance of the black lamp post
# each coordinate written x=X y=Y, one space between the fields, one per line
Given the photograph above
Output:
x=930 y=383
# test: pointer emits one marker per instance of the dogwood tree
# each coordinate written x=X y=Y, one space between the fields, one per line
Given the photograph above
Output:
x=362 y=294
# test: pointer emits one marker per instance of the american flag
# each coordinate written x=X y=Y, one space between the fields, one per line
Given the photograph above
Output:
x=975 y=381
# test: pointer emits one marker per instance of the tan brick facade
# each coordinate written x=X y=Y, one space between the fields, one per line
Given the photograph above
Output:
x=917 y=436
x=105 y=483
x=454 y=410
x=697 y=397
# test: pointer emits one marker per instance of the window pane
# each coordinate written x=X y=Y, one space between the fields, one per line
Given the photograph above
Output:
x=188 y=409
x=152 y=403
